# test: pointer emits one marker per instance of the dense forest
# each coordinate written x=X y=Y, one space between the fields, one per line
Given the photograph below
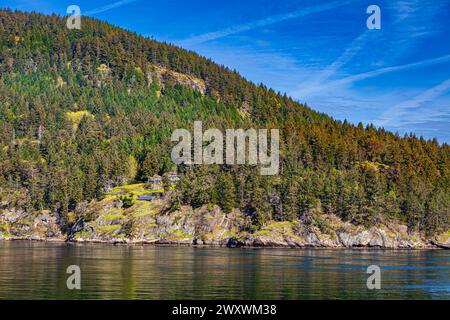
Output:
x=82 y=111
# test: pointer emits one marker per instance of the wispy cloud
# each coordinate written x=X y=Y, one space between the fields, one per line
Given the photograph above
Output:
x=412 y=20
x=108 y=7
x=406 y=17
x=343 y=59
x=365 y=75
x=398 y=113
x=261 y=23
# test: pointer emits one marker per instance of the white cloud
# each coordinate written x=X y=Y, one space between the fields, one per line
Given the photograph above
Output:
x=344 y=58
x=400 y=113
x=108 y=7
x=261 y=23
x=370 y=74
x=412 y=19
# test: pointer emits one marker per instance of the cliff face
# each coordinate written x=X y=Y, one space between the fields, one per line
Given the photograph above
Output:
x=151 y=222
x=164 y=76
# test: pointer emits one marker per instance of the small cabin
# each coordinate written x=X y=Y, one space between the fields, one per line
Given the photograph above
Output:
x=173 y=177
x=154 y=181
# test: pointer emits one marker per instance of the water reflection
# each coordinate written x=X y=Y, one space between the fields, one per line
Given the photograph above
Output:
x=32 y=270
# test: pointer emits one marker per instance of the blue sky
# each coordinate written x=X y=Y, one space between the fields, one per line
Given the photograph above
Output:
x=319 y=52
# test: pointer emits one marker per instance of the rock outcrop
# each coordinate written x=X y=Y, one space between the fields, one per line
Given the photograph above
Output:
x=153 y=222
x=20 y=225
x=164 y=76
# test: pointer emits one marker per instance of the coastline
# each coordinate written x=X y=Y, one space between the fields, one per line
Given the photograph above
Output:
x=164 y=243
x=209 y=226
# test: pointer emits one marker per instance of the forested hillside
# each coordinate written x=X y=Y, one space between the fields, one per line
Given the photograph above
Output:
x=83 y=111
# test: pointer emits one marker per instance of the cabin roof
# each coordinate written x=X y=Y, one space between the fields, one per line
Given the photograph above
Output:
x=145 y=197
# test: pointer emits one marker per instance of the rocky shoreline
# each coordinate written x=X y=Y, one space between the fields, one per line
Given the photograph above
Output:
x=210 y=226
x=269 y=245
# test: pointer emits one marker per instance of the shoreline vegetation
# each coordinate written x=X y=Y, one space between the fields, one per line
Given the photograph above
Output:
x=120 y=218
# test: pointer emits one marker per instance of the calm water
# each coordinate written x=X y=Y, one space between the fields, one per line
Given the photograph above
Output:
x=32 y=270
